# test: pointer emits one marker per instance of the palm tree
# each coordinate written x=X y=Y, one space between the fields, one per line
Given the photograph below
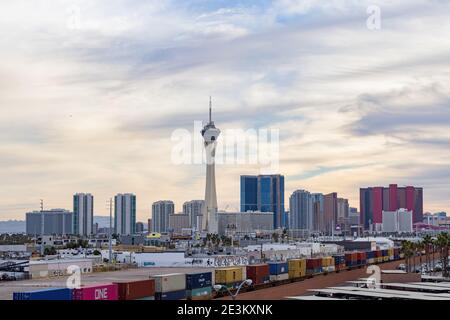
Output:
x=407 y=249
x=419 y=246
x=427 y=242
x=443 y=245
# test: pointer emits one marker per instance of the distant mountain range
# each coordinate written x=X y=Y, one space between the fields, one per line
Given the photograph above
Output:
x=19 y=226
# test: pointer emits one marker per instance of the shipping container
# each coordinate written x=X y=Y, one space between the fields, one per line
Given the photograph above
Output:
x=170 y=282
x=361 y=258
x=171 y=295
x=97 y=292
x=313 y=263
x=204 y=293
x=198 y=280
x=351 y=259
x=279 y=277
x=258 y=273
x=147 y=298
x=46 y=294
x=276 y=268
x=339 y=262
x=396 y=253
x=136 y=289
x=228 y=275
x=328 y=264
x=297 y=268
x=391 y=253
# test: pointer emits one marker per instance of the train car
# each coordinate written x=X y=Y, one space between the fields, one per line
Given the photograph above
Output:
x=258 y=273
x=361 y=258
x=297 y=268
x=370 y=255
x=339 y=262
x=351 y=259
x=313 y=266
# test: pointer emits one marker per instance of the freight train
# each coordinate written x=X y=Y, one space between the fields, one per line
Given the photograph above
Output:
x=199 y=285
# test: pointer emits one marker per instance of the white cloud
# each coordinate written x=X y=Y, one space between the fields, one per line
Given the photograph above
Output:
x=92 y=108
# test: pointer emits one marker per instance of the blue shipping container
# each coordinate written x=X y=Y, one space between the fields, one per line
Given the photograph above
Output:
x=276 y=268
x=47 y=294
x=339 y=260
x=198 y=280
x=173 y=295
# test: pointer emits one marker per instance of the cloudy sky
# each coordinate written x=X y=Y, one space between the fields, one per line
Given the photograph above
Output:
x=92 y=91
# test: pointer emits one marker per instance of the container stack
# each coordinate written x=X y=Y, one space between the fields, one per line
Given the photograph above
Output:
x=258 y=273
x=313 y=266
x=107 y=291
x=328 y=264
x=391 y=254
x=339 y=262
x=396 y=253
x=361 y=258
x=370 y=257
x=297 y=268
x=351 y=259
x=278 y=271
x=378 y=256
x=46 y=294
x=230 y=277
x=199 y=286
x=136 y=290
x=170 y=286
x=385 y=255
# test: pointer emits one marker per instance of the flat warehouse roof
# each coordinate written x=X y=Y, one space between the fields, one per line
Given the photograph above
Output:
x=415 y=286
x=355 y=293
x=312 y=298
x=433 y=284
x=400 y=293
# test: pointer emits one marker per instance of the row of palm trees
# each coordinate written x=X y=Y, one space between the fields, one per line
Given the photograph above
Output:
x=430 y=246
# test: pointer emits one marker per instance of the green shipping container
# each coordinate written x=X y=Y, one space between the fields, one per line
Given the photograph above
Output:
x=200 y=293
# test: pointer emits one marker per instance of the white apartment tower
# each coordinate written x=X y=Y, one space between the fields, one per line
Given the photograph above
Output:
x=125 y=214
x=161 y=210
x=83 y=214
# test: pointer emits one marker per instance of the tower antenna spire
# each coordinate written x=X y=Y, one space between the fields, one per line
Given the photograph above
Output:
x=210 y=109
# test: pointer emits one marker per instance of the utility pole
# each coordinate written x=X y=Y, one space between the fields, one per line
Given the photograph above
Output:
x=110 y=231
x=42 y=227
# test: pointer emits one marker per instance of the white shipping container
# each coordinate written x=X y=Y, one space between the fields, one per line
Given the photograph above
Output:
x=279 y=277
x=170 y=282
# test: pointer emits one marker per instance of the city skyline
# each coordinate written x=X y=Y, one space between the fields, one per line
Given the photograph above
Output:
x=90 y=98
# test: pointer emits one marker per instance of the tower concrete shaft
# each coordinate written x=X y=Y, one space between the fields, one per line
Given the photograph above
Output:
x=210 y=134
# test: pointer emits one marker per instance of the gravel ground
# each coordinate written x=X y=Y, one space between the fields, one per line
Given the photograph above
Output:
x=7 y=288
x=319 y=282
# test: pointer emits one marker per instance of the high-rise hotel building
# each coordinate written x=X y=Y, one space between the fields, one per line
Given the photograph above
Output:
x=83 y=214
x=375 y=200
x=264 y=193
x=125 y=214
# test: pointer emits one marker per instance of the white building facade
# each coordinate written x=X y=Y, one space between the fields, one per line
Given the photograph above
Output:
x=83 y=214
x=161 y=210
x=397 y=221
x=125 y=214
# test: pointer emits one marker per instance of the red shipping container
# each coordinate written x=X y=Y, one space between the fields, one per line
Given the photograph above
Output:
x=313 y=263
x=378 y=253
x=136 y=289
x=258 y=273
x=257 y=270
x=96 y=292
